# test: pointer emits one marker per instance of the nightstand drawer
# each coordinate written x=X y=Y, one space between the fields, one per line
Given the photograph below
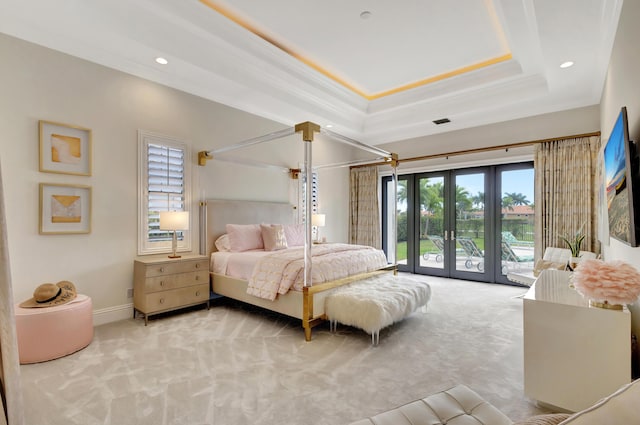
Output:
x=179 y=280
x=184 y=266
x=167 y=300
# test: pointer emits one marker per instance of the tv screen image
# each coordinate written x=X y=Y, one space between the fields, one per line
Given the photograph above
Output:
x=619 y=182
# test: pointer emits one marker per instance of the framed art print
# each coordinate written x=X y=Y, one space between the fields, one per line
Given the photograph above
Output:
x=65 y=149
x=64 y=208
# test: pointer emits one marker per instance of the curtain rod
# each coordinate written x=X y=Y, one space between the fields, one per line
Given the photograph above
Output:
x=485 y=149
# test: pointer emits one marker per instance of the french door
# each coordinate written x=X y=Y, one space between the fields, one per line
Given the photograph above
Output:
x=451 y=223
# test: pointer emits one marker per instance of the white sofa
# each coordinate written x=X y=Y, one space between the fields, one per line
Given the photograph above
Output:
x=460 y=405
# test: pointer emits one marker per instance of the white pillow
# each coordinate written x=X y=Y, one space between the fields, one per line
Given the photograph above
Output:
x=222 y=243
x=294 y=234
x=621 y=407
x=243 y=237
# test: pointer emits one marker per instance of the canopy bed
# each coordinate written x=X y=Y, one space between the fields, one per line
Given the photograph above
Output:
x=313 y=281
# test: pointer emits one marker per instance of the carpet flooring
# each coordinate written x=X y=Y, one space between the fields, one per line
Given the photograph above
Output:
x=236 y=364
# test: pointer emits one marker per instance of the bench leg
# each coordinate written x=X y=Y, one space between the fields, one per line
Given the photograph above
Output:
x=375 y=338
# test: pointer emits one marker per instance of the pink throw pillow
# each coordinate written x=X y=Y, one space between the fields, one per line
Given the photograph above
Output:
x=243 y=237
x=273 y=237
x=294 y=234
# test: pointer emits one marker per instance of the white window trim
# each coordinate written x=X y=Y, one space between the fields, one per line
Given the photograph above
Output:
x=144 y=246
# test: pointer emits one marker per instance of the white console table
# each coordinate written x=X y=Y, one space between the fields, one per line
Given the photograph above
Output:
x=574 y=354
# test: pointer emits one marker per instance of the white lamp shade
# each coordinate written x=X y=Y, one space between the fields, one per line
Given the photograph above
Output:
x=174 y=220
x=317 y=220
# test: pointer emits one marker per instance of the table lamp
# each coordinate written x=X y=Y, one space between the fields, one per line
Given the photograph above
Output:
x=174 y=220
x=318 y=221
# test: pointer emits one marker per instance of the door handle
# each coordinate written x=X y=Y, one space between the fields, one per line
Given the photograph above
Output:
x=453 y=235
x=446 y=237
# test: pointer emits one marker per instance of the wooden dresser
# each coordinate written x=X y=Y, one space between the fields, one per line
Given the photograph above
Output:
x=164 y=284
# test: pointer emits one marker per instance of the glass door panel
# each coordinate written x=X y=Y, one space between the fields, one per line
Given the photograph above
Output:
x=516 y=224
x=430 y=223
x=402 y=227
x=469 y=232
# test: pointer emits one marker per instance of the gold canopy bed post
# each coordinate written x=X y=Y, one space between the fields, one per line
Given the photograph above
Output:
x=308 y=130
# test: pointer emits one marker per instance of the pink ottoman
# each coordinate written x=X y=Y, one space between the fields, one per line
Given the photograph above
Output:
x=52 y=332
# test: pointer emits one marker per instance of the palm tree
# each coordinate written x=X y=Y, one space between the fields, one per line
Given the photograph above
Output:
x=517 y=198
x=402 y=191
x=478 y=200
x=431 y=200
x=463 y=201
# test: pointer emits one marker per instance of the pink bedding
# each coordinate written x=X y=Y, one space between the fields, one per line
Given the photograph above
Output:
x=280 y=271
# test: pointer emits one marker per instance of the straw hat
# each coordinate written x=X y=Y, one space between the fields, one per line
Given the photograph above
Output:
x=49 y=295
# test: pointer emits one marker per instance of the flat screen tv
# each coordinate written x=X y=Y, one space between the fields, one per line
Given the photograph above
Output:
x=621 y=177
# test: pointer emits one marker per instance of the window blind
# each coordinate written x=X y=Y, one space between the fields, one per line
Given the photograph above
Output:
x=165 y=187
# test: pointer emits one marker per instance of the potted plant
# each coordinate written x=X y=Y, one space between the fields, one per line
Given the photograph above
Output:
x=574 y=243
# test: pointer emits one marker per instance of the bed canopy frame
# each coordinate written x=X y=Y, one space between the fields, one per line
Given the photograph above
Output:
x=308 y=130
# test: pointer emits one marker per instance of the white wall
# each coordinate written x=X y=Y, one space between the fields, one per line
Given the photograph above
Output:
x=41 y=84
x=622 y=88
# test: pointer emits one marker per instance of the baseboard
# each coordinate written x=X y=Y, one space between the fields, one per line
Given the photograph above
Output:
x=112 y=314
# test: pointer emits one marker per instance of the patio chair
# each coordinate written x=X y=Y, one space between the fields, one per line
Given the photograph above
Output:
x=513 y=241
x=472 y=252
x=509 y=256
x=438 y=242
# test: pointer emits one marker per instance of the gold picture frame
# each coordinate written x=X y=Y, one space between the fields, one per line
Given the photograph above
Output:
x=64 y=209
x=64 y=148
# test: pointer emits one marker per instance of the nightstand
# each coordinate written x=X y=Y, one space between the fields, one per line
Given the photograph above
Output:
x=163 y=284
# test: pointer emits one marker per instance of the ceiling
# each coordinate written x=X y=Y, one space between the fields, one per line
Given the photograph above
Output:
x=378 y=78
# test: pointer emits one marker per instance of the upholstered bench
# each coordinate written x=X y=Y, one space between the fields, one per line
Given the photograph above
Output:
x=52 y=332
x=456 y=406
x=376 y=302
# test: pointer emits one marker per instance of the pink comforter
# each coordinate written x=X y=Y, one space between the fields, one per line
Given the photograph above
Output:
x=278 y=272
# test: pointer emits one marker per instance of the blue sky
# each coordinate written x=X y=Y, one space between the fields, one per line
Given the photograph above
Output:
x=518 y=181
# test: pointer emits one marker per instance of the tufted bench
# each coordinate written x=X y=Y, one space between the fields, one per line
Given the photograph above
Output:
x=52 y=332
x=376 y=302
x=456 y=406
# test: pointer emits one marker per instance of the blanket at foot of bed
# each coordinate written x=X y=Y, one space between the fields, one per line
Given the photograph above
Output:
x=377 y=302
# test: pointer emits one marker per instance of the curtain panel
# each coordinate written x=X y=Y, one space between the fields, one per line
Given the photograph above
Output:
x=566 y=187
x=10 y=389
x=364 y=215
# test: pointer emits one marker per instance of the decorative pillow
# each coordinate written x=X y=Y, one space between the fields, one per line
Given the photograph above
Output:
x=543 y=265
x=621 y=407
x=273 y=237
x=243 y=237
x=222 y=243
x=294 y=234
x=548 y=419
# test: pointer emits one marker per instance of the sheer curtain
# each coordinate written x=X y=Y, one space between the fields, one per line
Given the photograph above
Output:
x=565 y=192
x=364 y=217
x=10 y=389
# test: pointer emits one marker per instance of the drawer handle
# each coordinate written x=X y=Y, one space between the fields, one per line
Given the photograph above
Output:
x=197 y=293
x=161 y=300
x=161 y=269
x=197 y=277
x=162 y=283
x=197 y=265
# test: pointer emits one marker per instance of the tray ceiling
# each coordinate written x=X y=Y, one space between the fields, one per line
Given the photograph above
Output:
x=376 y=71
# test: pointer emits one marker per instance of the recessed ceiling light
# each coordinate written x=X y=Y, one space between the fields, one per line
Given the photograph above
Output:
x=329 y=126
x=162 y=61
x=566 y=64
x=365 y=15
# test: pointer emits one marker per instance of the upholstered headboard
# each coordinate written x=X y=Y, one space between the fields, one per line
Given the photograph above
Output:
x=222 y=212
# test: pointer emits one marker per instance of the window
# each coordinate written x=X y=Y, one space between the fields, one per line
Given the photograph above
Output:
x=163 y=185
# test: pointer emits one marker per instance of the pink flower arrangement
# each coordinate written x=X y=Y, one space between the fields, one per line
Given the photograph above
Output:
x=614 y=282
